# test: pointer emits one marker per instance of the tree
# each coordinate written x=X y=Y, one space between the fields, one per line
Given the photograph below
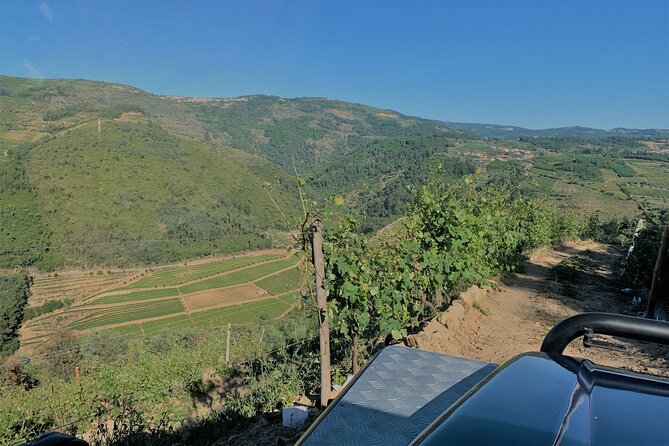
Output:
x=104 y=346
x=62 y=354
x=14 y=293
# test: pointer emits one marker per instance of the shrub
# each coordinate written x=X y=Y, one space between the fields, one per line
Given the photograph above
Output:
x=267 y=392
x=62 y=354
x=14 y=293
x=638 y=270
x=166 y=340
x=15 y=374
x=104 y=346
x=52 y=305
x=454 y=236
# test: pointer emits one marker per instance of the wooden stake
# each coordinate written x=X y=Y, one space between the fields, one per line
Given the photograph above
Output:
x=227 y=345
x=354 y=356
x=77 y=375
x=262 y=335
x=53 y=403
x=321 y=301
x=658 y=284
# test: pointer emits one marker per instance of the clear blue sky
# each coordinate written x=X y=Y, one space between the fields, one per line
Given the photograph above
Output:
x=530 y=63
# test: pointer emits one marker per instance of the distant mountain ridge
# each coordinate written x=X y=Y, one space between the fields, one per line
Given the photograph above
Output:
x=513 y=132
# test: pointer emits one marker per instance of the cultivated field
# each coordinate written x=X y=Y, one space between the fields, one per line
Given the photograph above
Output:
x=179 y=275
x=613 y=195
x=236 y=290
x=75 y=287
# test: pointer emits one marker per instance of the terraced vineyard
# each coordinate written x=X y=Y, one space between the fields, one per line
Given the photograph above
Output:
x=217 y=318
x=237 y=290
x=179 y=275
x=75 y=287
x=242 y=276
x=126 y=313
x=281 y=282
x=136 y=296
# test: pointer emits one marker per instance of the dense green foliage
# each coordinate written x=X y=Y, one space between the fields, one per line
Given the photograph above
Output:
x=588 y=168
x=48 y=307
x=306 y=131
x=617 y=230
x=152 y=200
x=376 y=178
x=104 y=346
x=154 y=384
x=640 y=263
x=453 y=237
x=14 y=294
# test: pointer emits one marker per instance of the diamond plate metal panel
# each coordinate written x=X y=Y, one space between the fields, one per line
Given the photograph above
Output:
x=399 y=394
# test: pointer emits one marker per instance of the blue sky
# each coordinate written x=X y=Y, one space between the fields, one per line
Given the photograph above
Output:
x=529 y=63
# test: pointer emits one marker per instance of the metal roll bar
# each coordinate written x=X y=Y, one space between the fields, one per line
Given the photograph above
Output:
x=588 y=324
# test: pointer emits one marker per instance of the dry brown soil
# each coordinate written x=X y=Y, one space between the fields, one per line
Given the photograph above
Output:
x=526 y=305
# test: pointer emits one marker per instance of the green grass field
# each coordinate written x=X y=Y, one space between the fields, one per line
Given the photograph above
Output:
x=282 y=282
x=178 y=275
x=129 y=331
x=137 y=295
x=236 y=278
x=648 y=191
x=241 y=314
x=127 y=313
x=173 y=323
x=218 y=318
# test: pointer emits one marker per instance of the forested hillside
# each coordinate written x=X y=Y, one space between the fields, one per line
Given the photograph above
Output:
x=513 y=132
x=94 y=173
x=106 y=174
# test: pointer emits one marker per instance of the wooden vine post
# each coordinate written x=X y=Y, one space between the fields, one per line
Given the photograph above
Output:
x=77 y=376
x=227 y=345
x=659 y=286
x=321 y=302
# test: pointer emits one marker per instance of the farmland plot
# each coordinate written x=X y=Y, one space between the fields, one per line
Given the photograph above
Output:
x=242 y=276
x=179 y=275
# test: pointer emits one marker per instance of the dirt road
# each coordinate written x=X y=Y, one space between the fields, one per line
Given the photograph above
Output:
x=515 y=318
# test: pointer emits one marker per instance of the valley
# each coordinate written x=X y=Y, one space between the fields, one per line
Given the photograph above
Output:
x=327 y=223
x=118 y=201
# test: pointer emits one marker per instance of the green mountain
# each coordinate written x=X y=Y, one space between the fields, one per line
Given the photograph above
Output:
x=101 y=174
x=95 y=173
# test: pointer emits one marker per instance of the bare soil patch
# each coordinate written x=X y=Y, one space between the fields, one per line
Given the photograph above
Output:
x=344 y=114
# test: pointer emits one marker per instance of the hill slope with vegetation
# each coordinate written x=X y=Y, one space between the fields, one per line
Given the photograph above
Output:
x=95 y=173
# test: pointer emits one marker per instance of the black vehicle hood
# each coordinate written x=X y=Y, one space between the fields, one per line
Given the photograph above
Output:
x=536 y=399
